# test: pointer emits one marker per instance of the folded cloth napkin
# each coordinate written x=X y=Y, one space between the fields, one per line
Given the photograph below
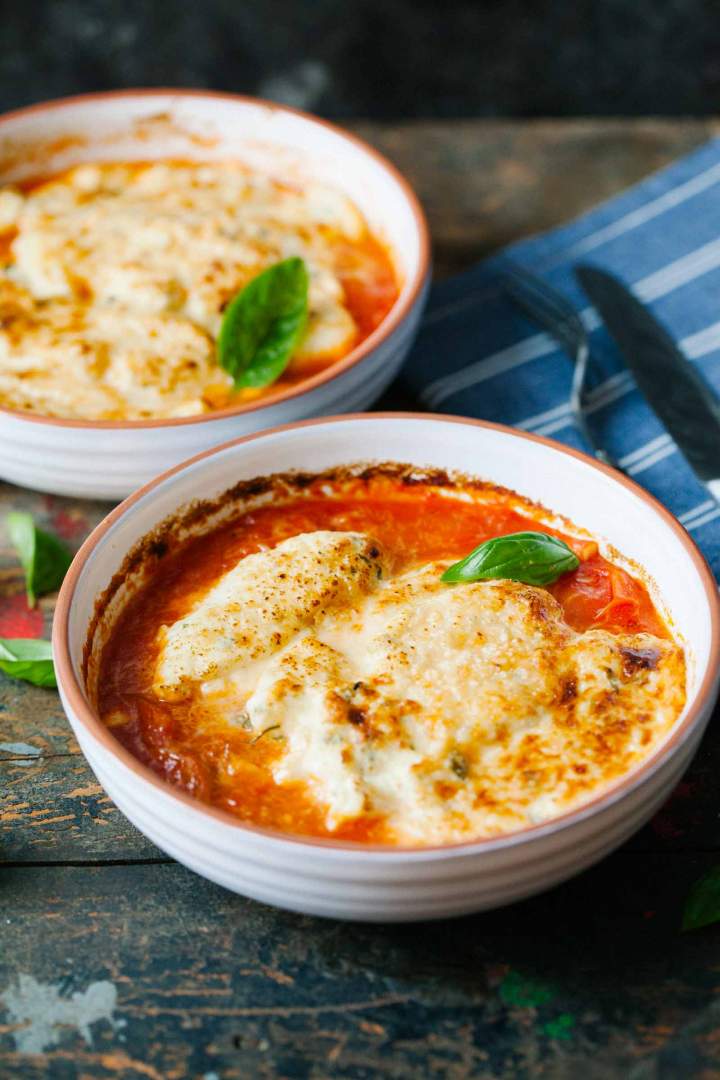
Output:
x=477 y=356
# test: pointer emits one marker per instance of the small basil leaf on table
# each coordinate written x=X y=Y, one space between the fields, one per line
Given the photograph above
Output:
x=531 y=557
x=702 y=906
x=29 y=659
x=263 y=324
x=44 y=558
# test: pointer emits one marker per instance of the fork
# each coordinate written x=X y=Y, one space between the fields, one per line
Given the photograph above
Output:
x=543 y=304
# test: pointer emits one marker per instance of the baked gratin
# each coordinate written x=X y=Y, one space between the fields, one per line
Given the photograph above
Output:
x=304 y=666
x=114 y=278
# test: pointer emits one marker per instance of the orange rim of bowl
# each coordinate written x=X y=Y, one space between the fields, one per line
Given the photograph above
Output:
x=410 y=290
x=86 y=716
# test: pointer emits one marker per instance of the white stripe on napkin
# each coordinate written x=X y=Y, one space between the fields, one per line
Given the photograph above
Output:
x=703 y=342
x=613 y=388
x=532 y=348
x=697 y=511
x=650 y=210
x=652 y=459
x=649 y=448
x=710 y=516
x=606 y=391
x=604 y=394
x=444 y=311
x=534 y=422
x=679 y=272
x=644 y=457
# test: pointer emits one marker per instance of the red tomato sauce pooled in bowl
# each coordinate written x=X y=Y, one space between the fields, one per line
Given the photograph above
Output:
x=339 y=690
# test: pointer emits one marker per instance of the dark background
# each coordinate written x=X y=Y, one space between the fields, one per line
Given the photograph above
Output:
x=381 y=59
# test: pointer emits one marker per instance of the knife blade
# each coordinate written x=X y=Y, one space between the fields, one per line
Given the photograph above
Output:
x=676 y=392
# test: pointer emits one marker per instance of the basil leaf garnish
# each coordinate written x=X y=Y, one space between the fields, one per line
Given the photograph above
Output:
x=263 y=324
x=702 y=906
x=44 y=558
x=531 y=557
x=29 y=659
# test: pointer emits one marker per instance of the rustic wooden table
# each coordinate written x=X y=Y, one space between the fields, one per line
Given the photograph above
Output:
x=117 y=962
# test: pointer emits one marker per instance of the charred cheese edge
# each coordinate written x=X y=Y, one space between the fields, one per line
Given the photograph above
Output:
x=452 y=712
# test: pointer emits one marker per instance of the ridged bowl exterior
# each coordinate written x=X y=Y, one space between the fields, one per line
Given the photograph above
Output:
x=109 y=461
x=92 y=463
x=371 y=887
x=356 y=882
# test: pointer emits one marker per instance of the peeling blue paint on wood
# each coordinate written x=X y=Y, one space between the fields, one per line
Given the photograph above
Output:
x=40 y=1014
x=20 y=749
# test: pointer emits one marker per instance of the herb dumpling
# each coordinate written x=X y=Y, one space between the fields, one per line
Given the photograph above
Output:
x=259 y=605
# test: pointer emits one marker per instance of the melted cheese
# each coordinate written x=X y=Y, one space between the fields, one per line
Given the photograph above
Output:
x=112 y=297
x=450 y=712
x=256 y=608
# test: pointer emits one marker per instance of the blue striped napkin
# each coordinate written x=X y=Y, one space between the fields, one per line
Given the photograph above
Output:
x=477 y=356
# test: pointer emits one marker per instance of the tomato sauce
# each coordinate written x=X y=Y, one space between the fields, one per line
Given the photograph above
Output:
x=415 y=524
x=6 y=238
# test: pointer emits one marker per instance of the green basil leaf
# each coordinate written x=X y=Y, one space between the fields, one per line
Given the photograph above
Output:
x=702 y=906
x=263 y=324
x=531 y=557
x=44 y=558
x=29 y=659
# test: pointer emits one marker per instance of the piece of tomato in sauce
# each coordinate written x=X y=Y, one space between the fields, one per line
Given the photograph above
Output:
x=601 y=595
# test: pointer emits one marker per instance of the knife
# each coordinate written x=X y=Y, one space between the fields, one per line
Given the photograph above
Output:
x=679 y=396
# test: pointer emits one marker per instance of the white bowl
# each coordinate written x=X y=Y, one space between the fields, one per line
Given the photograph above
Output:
x=110 y=459
x=362 y=882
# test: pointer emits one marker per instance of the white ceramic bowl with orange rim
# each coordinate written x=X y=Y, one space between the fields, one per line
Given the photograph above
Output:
x=95 y=459
x=362 y=882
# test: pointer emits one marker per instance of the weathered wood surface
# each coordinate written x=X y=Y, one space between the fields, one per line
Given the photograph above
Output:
x=185 y=979
x=116 y=962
